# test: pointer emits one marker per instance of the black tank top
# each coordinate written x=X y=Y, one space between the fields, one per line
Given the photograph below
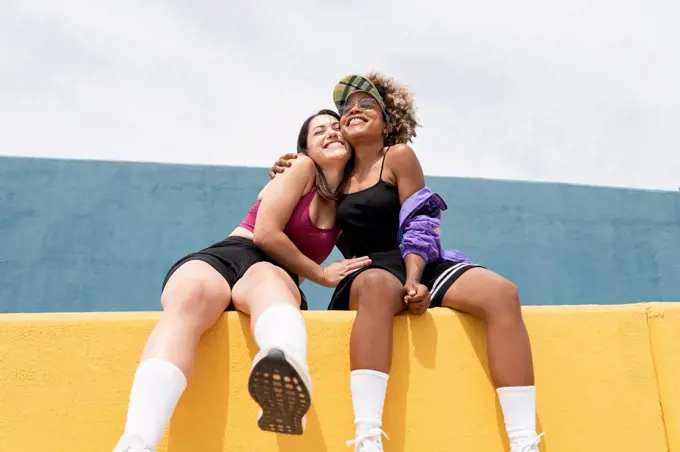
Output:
x=369 y=219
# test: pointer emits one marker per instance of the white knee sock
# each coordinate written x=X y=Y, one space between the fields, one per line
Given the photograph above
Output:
x=156 y=389
x=369 y=388
x=519 y=410
x=282 y=326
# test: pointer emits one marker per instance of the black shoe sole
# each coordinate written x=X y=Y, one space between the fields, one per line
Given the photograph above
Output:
x=278 y=388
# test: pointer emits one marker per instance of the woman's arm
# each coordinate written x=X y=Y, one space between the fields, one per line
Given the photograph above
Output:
x=408 y=175
x=282 y=164
x=278 y=202
x=276 y=207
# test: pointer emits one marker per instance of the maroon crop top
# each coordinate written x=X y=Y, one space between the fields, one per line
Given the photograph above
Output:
x=314 y=242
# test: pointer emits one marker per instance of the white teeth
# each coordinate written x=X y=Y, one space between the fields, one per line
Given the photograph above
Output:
x=355 y=121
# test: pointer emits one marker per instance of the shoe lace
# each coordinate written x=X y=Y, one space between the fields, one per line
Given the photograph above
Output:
x=371 y=435
x=532 y=444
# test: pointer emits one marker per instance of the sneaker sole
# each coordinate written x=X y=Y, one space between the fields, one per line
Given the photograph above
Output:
x=281 y=393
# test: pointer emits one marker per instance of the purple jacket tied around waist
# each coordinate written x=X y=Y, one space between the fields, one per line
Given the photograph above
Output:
x=419 y=218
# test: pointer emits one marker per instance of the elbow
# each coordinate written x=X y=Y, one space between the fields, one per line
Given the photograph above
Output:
x=259 y=236
x=423 y=242
x=427 y=251
x=263 y=238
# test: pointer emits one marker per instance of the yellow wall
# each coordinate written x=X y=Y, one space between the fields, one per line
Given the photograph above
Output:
x=65 y=378
x=664 y=326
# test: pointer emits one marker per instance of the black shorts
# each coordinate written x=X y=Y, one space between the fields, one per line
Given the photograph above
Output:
x=231 y=258
x=437 y=277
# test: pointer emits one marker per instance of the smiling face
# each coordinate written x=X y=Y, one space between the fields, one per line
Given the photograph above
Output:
x=325 y=144
x=362 y=118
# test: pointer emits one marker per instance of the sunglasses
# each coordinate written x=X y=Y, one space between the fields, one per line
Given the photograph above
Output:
x=366 y=103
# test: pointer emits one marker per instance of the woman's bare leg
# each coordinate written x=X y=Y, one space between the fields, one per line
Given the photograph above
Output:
x=377 y=296
x=193 y=300
x=279 y=381
x=493 y=299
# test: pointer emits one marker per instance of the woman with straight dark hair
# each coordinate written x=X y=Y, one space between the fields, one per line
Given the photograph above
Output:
x=257 y=270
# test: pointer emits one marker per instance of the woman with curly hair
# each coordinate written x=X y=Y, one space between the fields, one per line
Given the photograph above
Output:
x=388 y=214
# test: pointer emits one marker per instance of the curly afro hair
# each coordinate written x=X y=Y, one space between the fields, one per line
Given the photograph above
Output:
x=400 y=106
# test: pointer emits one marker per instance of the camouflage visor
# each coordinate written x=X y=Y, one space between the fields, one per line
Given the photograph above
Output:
x=351 y=84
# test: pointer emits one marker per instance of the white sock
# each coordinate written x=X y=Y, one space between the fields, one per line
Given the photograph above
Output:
x=519 y=410
x=282 y=326
x=369 y=388
x=156 y=390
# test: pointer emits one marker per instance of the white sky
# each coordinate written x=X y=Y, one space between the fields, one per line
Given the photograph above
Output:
x=572 y=91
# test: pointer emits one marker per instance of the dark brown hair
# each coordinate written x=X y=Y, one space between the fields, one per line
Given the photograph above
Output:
x=322 y=187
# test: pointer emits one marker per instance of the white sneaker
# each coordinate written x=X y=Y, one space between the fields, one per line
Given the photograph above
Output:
x=370 y=442
x=526 y=444
x=283 y=389
x=132 y=444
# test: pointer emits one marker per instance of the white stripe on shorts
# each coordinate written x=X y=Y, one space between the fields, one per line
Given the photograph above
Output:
x=446 y=275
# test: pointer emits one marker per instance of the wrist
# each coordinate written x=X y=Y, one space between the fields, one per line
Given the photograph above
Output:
x=321 y=278
x=413 y=274
x=415 y=265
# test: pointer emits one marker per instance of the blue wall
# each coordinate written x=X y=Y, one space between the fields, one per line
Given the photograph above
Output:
x=99 y=236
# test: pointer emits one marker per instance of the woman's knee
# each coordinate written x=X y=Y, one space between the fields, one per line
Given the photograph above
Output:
x=194 y=292
x=376 y=289
x=265 y=281
x=503 y=301
x=265 y=271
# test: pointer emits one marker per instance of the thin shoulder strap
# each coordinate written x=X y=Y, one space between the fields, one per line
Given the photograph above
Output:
x=383 y=162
